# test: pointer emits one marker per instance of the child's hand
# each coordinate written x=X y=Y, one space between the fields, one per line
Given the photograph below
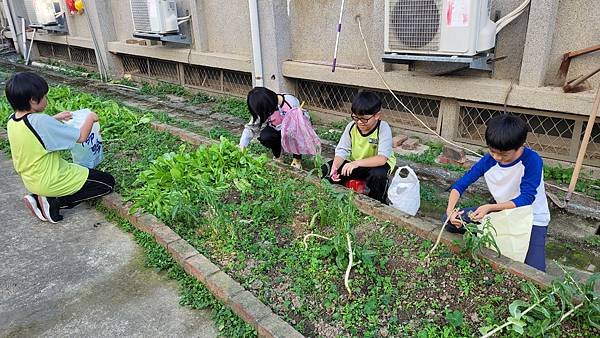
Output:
x=348 y=168
x=480 y=212
x=64 y=116
x=334 y=175
x=455 y=218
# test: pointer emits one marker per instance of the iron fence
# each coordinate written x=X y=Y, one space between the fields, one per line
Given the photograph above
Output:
x=73 y=55
x=193 y=76
x=553 y=135
x=337 y=99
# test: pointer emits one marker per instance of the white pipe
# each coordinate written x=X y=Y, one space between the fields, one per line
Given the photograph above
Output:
x=256 y=50
x=30 y=46
x=24 y=38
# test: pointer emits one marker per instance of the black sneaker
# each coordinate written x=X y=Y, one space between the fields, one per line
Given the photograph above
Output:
x=31 y=203
x=50 y=208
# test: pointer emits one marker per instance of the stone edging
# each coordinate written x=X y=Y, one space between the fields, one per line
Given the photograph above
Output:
x=384 y=212
x=223 y=287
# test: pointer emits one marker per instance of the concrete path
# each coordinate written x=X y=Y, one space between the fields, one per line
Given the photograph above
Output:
x=81 y=277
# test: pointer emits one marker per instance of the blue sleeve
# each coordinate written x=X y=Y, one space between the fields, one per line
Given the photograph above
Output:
x=54 y=134
x=534 y=168
x=483 y=165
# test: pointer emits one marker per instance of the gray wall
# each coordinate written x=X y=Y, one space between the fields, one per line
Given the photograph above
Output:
x=578 y=26
x=221 y=34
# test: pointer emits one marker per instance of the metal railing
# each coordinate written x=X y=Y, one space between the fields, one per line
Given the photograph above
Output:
x=337 y=99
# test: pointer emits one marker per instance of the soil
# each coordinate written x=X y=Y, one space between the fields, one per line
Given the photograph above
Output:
x=423 y=292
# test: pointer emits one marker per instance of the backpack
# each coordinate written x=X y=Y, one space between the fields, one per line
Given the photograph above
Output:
x=297 y=134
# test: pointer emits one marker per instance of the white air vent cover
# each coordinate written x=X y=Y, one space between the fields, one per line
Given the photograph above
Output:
x=444 y=27
x=154 y=16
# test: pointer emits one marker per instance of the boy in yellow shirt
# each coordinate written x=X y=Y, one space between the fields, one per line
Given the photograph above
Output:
x=35 y=141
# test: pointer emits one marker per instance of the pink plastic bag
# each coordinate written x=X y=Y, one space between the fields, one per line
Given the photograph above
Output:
x=297 y=134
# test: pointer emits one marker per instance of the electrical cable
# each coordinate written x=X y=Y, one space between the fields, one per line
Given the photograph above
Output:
x=510 y=17
x=402 y=103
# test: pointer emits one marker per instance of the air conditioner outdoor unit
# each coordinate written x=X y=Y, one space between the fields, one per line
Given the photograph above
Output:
x=438 y=27
x=42 y=12
x=155 y=16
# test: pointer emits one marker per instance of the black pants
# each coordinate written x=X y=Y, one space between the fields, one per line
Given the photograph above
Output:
x=97 y=184
x=376 y=177
x=271 y=138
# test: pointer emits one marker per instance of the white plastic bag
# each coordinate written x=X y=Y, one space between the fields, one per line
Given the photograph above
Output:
x=89 y=153
x=513 y=231
x=404 y=192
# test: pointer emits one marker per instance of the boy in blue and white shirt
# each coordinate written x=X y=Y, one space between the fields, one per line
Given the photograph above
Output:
x=514 y=176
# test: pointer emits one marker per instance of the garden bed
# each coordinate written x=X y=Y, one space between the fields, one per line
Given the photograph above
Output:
x=252 y=220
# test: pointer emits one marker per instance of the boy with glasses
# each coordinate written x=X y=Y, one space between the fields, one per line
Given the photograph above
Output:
x=365 y=149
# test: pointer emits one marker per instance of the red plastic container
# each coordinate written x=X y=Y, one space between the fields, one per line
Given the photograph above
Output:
x=360 y=186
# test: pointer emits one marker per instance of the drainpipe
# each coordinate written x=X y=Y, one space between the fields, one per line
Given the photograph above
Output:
x=24 y=36
x=256 y=51
x=12 y=24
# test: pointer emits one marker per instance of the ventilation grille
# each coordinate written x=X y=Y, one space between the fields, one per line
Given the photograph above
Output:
x=337 y=99
x=554 y=135
x=414 y=25
x=193 y=76
x=141 y=17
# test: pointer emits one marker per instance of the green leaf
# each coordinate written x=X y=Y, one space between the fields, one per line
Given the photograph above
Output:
x=455 y=318
x=513 y=308
x=176 y=173
x=485 y=329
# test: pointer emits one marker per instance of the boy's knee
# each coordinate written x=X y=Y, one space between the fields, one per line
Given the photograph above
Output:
x=325 y=169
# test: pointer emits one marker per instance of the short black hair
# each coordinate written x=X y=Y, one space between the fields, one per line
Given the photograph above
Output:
x=23 y=87
x=366 y=103
x=506 y=132
x=262 y=102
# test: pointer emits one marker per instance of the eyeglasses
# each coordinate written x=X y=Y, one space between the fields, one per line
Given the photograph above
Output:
x=357 y=118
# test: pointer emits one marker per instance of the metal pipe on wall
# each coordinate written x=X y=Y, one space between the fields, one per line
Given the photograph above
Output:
x=256 y=49
x=12 y=24
x=24 y=39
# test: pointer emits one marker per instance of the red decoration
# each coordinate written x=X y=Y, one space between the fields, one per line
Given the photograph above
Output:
x=71 y=6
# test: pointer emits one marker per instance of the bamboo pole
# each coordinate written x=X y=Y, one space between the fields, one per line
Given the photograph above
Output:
x=584 y=145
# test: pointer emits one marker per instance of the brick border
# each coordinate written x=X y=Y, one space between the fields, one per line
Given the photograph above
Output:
x=384 y=212
x=222 y=286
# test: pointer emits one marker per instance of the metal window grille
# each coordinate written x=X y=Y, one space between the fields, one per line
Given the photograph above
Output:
x=551 y=134
x=194 y=76
x=337 y=99
x=164 y=70
x=134 y=65
x=61 y=52
x=414 y=24
x=70 y=54
x=203 y=77
x=79 y=55
x=217 y=80
x=235 y=82
x=593 y=150
x=45 y=49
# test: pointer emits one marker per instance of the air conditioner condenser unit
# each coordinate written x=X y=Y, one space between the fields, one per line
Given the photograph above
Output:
x=438 y=27
x=155 y=16
x=42 y=12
